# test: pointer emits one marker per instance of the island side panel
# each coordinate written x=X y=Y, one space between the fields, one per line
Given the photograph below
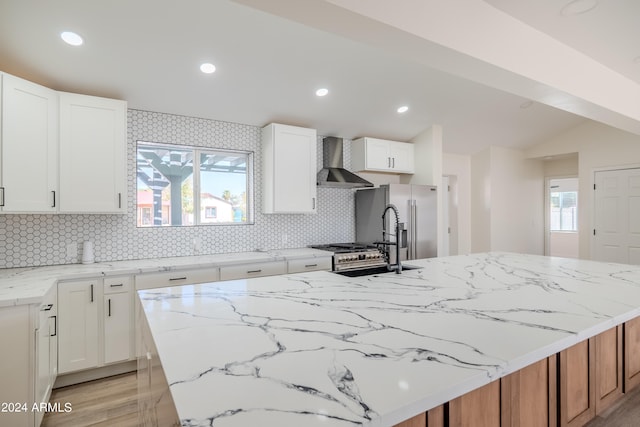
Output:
x=529 y=396
x=632 y=354
x=577 y=378
x=609 y=361
x=478 y=408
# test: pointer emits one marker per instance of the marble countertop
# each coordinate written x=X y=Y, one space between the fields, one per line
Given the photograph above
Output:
x=320 y=349
x=29 y=285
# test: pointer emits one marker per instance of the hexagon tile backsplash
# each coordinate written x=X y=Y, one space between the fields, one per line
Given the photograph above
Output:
x=34 y=240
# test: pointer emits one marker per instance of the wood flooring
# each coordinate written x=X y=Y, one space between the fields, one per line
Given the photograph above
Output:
x=113 y=402
x=109 y=402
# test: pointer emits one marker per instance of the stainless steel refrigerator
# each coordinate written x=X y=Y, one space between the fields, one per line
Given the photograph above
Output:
x=417 y=208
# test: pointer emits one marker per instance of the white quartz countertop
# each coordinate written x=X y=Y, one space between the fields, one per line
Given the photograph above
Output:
x=29 y=285
x=320 y=349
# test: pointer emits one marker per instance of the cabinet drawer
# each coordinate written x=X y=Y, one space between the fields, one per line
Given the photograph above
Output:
x=117 y=284
x=253 y=270
x=177 y=278
x=309 y=264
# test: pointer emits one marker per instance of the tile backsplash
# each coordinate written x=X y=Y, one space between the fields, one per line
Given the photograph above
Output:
x=34 y=240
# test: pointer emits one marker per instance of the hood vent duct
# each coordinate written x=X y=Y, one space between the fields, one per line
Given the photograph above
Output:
x=332 y=173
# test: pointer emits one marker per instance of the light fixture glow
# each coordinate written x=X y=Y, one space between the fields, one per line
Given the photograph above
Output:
x=71 y=38
x=322 y=92
x=578 y=7
x=402 y=109
x=208 y=68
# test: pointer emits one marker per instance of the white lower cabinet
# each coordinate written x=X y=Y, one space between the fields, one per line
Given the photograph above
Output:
x=118 y=319
x=29 y=366
x=255 y=269
x=78 y=325
x=309 y=264
x=46 y=343
x=95 y=323
x=177 y=278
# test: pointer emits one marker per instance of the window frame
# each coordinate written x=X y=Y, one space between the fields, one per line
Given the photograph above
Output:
x=197 y=151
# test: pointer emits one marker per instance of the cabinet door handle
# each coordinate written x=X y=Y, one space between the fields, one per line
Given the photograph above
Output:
x=48 y=307
x=393 y=162
x=55 y=325
x=117 y=286
x=2 y=198
x=313 y=203
x=310 y=265
x=109 y=306
x=389 y=162
x=254 y=271
x=54 y=199
x=119 y=200
x=92 y=293
x=177 y=278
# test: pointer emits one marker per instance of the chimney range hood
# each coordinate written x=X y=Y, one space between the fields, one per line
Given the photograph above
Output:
x=333 y=174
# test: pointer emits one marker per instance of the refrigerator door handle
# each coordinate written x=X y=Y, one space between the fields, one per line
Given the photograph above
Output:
x=415 y=230
x=410 y=230
x=414 y=238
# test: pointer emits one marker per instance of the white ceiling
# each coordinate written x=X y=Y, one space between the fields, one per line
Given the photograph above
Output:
x=268 y=68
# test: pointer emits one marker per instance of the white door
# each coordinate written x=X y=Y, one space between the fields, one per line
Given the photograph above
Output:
x=29 y=155
x=377 y=154
x=92 y=154
x=616 y=235
x=117 y=327
x=78 y=328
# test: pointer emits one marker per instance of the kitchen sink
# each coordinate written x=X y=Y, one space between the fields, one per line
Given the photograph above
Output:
x=372 y=271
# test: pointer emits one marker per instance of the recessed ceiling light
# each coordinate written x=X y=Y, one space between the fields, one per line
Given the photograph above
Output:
x=208 y=68
x=322 y=92
x=578 y=7
x=402 y=109
x=71 y=38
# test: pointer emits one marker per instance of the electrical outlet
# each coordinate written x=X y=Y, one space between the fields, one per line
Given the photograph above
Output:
x=197 y=245
x=72 y=250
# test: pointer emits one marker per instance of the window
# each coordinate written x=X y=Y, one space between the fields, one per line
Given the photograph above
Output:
x=564 y=211
x=211 y=212
x=180 y=185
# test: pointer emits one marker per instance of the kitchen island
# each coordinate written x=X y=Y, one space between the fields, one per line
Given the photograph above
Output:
x=320 y=349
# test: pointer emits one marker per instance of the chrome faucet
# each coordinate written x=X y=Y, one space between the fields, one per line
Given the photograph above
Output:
x=397 y=243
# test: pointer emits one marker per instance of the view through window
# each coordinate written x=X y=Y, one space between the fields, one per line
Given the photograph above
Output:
x=564 y=211
x=178 y=185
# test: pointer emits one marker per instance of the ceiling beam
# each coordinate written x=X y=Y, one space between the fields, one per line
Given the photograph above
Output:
x=473 y=40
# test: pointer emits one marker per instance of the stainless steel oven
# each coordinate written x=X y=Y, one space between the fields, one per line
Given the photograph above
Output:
x=353 y=256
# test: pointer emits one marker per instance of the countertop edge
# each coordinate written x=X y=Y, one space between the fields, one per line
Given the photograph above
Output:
x=65 y=272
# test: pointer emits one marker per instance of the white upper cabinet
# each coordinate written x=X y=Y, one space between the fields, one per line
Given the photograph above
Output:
x=92 y=154
x=289 y=168
x=380 y=155
x=29 y=147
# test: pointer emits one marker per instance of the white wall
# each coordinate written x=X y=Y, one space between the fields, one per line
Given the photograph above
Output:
x=598 y=146
x=561 y=166
x=507 y=202
x=459 y=166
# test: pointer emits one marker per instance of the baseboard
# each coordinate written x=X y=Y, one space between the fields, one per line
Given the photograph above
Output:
x=94 y=374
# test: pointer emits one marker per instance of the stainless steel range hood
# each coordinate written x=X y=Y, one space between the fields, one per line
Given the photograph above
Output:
x=333 y=174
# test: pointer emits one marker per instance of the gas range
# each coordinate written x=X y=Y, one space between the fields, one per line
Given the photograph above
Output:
x=351 y=256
